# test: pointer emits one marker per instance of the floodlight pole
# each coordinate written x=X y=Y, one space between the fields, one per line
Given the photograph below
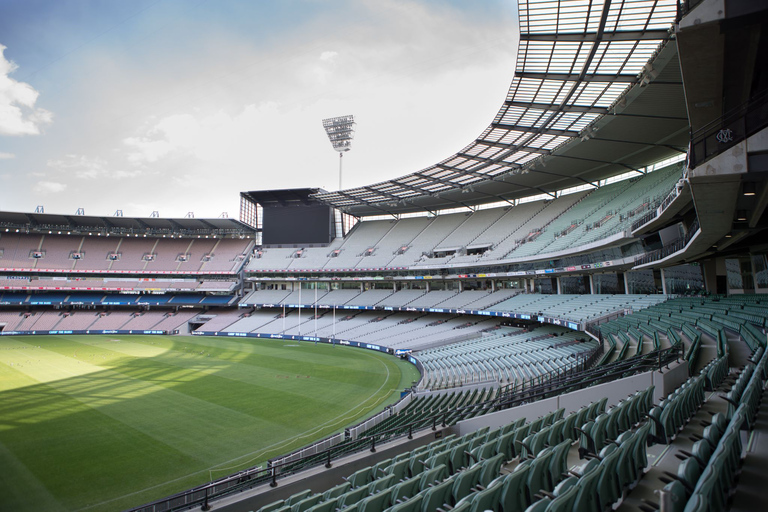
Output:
x=340 y=131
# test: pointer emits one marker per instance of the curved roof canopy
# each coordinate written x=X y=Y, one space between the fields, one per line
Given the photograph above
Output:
x=582 y=66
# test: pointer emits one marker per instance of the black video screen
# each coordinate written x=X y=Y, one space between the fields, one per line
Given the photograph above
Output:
x=288 y=225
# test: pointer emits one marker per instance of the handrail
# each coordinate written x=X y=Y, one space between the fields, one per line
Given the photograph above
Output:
x=669 y=249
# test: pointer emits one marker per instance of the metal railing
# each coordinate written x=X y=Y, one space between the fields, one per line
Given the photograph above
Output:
x=669 y=249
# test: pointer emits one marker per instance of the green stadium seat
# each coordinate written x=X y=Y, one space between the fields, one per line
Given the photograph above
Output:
x=438 y=496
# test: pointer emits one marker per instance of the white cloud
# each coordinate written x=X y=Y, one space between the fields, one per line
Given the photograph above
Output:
x=49 y=187
x=6 y=156
x=89 y=168
x=329 y=56
x=219 y=137
x=18 y=115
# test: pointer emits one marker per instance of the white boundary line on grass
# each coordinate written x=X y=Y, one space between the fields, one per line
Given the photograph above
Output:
x=260 y=451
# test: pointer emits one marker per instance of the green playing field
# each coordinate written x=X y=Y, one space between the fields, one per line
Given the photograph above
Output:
x=111 y=422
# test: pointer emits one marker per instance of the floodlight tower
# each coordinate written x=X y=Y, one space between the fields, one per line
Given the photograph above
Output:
x=341 y=131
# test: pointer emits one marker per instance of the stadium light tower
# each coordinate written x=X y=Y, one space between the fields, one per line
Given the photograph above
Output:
x=341 y=131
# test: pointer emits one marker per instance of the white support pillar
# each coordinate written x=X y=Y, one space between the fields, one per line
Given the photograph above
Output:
x=559 y=286
x=626 y=283
x=591 y=284
x=663 y=282
x=461 y=286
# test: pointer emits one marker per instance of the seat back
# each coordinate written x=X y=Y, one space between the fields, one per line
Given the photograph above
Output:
x=514 y=494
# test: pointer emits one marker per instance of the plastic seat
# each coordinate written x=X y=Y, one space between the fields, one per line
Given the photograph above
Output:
x=485 y=450
x=382 y=483
x=437 y=459
x=586 y=498
x=586 y=443
x=565 y=501
x=295 y=498
x=438 y=496
x=405 y=489
x=520 y=434
x=538 y=475
x=272 y=506
x=398 y=469
x=458 y=458
x=380 y=468
x=491 y=469
x=465 y=482
x=433 y=476
x=514 y=494
x=376 y=502
x=558 y=466
x=539 y=506
x=504 y=445
x=608 y=484
x=353 y=496
x=488 y=498
x=570 y=422
x=335 y=492
x=360 y=477
x=308 y=502
x=412 y=505
x=324 y=506
x=556 y=432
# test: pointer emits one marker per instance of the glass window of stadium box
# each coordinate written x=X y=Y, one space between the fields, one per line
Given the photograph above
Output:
x=607 y=283
x=574 y=284
x=684 y=279
x=641 y=281
x=760 y=269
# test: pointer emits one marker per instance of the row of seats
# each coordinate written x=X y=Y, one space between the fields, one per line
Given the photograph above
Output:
x=706 y=477
x=600 y=482
x=453 y=470
x=674 y=412
x=606 y=427
x=421 y=412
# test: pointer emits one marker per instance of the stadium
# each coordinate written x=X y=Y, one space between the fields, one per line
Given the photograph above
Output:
x=567 y=314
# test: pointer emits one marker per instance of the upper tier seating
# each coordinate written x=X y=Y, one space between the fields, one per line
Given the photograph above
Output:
x=122 y=254
x=524 y=231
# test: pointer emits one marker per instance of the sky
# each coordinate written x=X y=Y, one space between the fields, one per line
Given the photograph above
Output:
x=177 y=106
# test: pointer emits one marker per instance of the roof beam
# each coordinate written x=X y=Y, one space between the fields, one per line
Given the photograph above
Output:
x=410 y=187
x=440 y=180
x=559 y=108
x=629 y=35
x=574 y=77
x=474 y=173
x=596 y=161
x=532 y=129
x=680 y=149
x=382 y=193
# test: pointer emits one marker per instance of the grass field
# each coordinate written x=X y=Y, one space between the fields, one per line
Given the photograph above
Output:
x=110 y=422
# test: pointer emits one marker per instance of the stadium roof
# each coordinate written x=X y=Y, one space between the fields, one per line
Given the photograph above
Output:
x=283 y=197
x=155 y=226
x=583 y=66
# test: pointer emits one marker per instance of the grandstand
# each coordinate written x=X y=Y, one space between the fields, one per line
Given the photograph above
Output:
x=579 y=286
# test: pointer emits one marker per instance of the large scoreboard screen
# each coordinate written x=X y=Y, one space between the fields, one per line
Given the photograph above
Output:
x=288 y=217
x=292 y=225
